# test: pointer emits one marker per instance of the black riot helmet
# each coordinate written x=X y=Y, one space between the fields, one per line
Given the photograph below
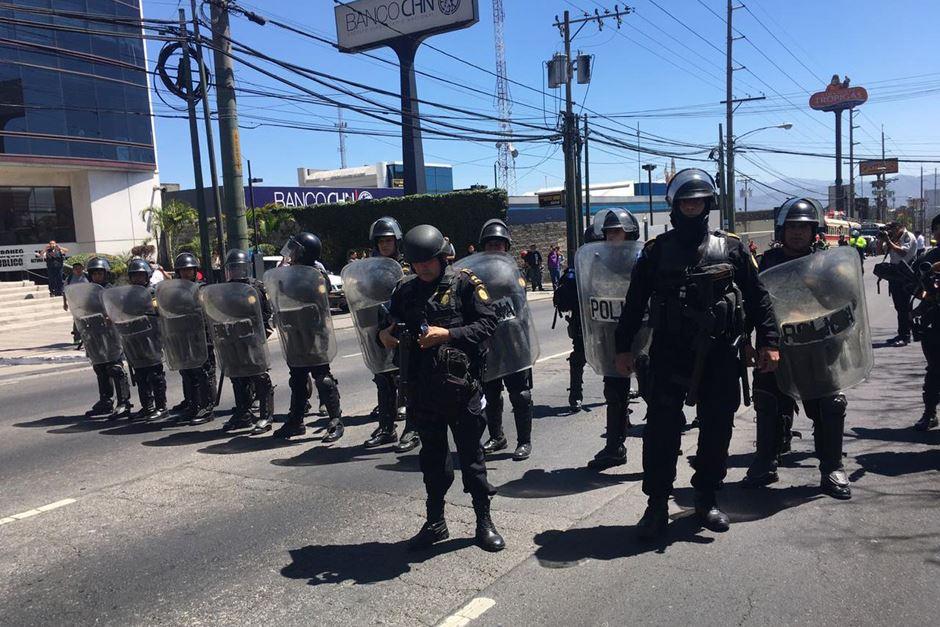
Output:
x=798 y=210
x=138 y=265
x=616 y=218
x=590 y=235
x=185 y=260
x=495 y=229
x=691 y=183
x=423 y=243
x=302 y=249
x=385 y=227
x=237 y=265
x=99 y=263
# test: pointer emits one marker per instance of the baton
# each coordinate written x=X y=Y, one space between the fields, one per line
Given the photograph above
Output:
x=218 y=393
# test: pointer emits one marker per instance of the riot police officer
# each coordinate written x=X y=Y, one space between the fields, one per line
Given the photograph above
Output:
x=927 y=319
x=495 y=237
x=150 y=379
x=797 y=223
x=444 y=317
x=698 y=286
x=615 y=225
x=199 y=383
x=565 y=300
x=110 y=374
x=238 y=270
x=385 y=235
x=304 y=249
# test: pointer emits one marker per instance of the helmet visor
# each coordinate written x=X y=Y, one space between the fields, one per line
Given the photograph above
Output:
x=238 y=271
x=292 y=251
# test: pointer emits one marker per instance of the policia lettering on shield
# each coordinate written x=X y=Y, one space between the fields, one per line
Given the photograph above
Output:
x=702 y=291
x=439 y=322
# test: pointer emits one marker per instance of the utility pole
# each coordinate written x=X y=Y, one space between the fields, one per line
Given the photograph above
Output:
x=210 y=141
x=649 y=167
x=571 y=133
x=186 y=76
x=587 y=179
x=852 y=127
x=229 y=142
x=639 y=177
x=883 y=201
x=579 y=144
x=729 y=120
x=722 y=181
x=923 y=213
x=342 y=139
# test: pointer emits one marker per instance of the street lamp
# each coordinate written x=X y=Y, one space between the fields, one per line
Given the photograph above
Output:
x=729 y=171
x=254 y=209
x=785 y=126
x=649 y=167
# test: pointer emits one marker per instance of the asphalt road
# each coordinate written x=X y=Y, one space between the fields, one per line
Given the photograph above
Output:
x=189 y=525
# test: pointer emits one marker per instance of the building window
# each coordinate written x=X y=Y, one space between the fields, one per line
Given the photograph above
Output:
x=32 y=215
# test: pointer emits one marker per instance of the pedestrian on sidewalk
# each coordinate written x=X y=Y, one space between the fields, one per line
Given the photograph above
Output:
x=554 y=266
x=54 y=256
x=901 y=247
x=533 y=260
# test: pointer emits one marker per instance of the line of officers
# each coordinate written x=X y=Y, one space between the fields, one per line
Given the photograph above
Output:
x=443 y=341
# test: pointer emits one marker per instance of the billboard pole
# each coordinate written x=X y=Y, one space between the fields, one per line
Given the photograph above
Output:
x=412 y=147
x=840 y=195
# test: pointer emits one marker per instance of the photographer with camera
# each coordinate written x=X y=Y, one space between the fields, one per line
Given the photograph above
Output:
x=54 y=256
x=901 y=247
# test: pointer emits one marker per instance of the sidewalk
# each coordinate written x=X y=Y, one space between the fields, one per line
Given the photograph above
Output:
x=50 y=346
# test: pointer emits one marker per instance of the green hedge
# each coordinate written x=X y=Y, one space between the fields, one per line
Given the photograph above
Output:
x=118 y=263
x=345 y=226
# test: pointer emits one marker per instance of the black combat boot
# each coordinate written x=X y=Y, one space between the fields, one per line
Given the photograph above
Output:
x=103 y=407
x=494 y=444
x=523 y=451
x=241 y=419
x=706 y=509
x=763 y=469
x=655 y=519
x=929 y=420
x=409 y=441
x=182 y=407
x=487 y=537
x=381 y=436
x=609 y=457
x=836 y=485
x=202 y=415
x=292 y=427
x=433 y=530
x=334 y=430
x=122 y=410
x=158 y=413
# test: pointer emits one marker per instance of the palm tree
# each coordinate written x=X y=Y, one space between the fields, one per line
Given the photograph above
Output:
x=167 y=222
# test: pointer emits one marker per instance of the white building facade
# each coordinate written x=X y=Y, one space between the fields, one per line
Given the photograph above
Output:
x=77 y=152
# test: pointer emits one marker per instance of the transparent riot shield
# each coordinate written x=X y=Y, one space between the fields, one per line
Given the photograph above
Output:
x=368 y=285
x=183 y=324
x=234 y=314
x=300 y=298
x=514 y=346
x=131 y=309
x=603 y=273
x=825 y=338
x=100 y=338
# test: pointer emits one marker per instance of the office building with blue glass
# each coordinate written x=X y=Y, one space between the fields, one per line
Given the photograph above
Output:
x=77 y=156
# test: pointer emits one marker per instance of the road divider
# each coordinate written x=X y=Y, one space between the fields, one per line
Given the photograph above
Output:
x=35 y=512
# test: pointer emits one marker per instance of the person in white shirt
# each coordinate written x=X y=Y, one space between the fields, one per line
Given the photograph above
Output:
x=921 y=243
x=901 y=246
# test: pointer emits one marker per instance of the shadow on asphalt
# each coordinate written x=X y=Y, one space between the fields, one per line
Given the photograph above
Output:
x=327 y=455
x=369 y=562
x=792 y=459
x=253 y=444
x=566 y=549
x=409 y=463
x=540 y=484
x=896 y=464
x=902 y=434
x=67 y=424
x=746 y=505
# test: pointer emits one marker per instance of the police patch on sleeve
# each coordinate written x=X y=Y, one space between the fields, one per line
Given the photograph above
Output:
x=481 y=293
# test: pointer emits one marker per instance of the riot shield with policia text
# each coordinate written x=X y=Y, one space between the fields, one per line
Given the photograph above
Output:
x=182 y=323
x=825 y=338
x=299 y=295
x=368 y=285
x=131 y=309
x=234 y=314
x=514 y=346
x=603 y=272
x=100 y=338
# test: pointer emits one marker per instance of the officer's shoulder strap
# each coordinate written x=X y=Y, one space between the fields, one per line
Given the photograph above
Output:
x=720 y=233
x=470 y=275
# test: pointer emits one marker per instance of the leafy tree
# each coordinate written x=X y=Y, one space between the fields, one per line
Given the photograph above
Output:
x=167 y=222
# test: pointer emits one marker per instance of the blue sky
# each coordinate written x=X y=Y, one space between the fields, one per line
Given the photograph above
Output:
x=652 y=62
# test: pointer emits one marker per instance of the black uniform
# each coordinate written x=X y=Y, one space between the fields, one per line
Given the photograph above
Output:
x=199 y=386
x=246 y=389
x=112 y=380
x=929 y=332
x=775 y=411
x=566 y=300
x=151 y=384
x=661 y=278
x=443 y=382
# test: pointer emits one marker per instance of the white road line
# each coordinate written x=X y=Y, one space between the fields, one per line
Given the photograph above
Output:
x=353 y=355
x=471 y=611
x=35 y=512
x=51 y=372
x=555 y=356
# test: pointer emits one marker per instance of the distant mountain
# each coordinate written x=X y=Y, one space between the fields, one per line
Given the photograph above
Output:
x=762 y=197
